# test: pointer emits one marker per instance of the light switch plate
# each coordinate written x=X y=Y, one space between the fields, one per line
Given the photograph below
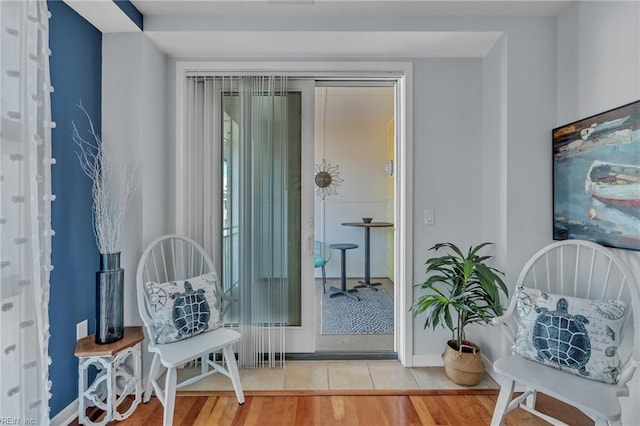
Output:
x=429 y=218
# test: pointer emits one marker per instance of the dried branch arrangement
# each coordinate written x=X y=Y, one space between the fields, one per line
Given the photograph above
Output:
x=113 y=185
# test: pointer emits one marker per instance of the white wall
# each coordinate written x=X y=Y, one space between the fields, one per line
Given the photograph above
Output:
x=351 y=132
x=599 y=69
x=531 y=90
x=522 y=69
x=133 y=117
x=493 y=182
x=494 y=191
x=447 y=167
x=598 y=58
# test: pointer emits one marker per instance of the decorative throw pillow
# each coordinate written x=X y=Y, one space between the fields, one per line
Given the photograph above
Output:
x=181 y=309
x=580 y=336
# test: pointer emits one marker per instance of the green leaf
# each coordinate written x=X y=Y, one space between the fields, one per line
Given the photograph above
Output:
x=460 y=290
x=467 y=268
x=448 y=319
x=476 y=249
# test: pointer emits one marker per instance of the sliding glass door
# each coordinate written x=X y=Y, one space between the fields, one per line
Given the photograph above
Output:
x=266 y=212
x=272 y=193
x=201 y=191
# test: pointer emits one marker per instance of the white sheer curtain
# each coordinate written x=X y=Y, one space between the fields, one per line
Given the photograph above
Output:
x=25 y=214
x=238 y=202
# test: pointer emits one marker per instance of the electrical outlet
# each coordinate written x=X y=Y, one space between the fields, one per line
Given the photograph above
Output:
x=82 y=329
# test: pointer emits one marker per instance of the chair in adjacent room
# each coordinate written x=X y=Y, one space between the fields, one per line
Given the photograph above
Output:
x=322 y=254
x=181 y=304
x=572 y=326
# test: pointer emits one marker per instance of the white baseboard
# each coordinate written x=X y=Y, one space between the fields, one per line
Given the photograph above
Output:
x=489 y=369
x=67 y=415
x=498 y=378
x=436 y=361
x=427 y=361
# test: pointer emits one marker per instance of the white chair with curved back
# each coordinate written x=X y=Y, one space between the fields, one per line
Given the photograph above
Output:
x=568 y=310
x=173 y=259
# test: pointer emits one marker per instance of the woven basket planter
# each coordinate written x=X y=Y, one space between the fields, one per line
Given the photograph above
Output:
x=463 y=367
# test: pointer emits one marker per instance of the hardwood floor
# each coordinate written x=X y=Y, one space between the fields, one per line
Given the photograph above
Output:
x=347 y=408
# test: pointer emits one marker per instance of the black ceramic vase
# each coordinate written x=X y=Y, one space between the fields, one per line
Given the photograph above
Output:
x=109 y=299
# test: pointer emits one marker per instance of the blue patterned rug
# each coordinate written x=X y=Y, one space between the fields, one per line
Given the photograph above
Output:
x=373 y=314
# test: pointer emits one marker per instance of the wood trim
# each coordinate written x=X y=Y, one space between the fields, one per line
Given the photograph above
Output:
x=87 y=346
x=349 y=392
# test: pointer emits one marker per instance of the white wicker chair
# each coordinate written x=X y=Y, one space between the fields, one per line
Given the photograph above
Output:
x=171 y=258
x=579 y=269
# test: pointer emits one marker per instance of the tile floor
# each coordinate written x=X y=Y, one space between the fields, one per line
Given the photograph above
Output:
x=334 y=375
x=338 y=375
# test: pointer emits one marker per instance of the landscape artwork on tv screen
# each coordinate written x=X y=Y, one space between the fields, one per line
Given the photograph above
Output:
x=596 y=179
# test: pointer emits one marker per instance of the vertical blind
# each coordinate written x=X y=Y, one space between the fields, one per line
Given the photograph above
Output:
x=241 y=189
x=25 y=210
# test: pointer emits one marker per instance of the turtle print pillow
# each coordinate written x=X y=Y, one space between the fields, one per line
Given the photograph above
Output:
x=580 y=336
x=182 y=309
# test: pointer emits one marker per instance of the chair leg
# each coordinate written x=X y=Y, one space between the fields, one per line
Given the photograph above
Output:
x=324 y=280
x=204 y=365
x=170 y=395
x=531 y=399
x=230 y=359
x=153 y=374
x=504 y=397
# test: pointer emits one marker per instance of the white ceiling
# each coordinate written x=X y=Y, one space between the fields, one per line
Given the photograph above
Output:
x=350 y=7
x=309 y=44
x=175 y=26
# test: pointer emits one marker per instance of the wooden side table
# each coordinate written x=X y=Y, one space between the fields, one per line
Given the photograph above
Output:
x=115 y=379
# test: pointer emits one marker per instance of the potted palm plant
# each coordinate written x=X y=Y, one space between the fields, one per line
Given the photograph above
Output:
x=462 y=290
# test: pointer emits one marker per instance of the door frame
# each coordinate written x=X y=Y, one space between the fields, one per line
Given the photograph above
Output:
x=401 y=73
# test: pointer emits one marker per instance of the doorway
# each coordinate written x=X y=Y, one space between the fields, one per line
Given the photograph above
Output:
x=398 y=74
x=355 y=147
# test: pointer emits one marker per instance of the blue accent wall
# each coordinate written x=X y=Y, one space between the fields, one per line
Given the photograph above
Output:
x=76 y=74
x=130 y=10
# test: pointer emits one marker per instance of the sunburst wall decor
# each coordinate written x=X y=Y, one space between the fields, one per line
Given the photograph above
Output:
x=327 y=179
